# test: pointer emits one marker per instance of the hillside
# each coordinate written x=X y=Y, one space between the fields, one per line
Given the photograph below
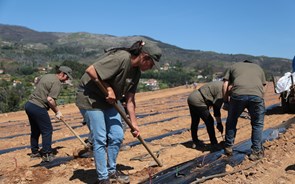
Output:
x=32 y=48
x=164 y=123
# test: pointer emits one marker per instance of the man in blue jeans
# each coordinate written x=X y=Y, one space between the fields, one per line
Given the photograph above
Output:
x=247 y=82
x=119 y=70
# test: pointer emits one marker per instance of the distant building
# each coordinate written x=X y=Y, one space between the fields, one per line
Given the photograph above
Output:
x=166 y=66
x=152 y=84
x=42 y=70
x=16 y=82
x=36 y=80
x=200 y=77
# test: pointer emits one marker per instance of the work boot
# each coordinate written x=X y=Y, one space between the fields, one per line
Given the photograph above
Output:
x=105 y=181
x=256 y=155
x=119 y=177
x=228 y=150
x=47 y=157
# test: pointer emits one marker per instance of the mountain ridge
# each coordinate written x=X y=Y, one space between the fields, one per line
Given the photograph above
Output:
x=26 y=46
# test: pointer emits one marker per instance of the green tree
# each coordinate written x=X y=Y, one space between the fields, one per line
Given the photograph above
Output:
x=78 y=68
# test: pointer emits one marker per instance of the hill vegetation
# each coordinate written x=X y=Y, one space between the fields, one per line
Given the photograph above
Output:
x=26 y=54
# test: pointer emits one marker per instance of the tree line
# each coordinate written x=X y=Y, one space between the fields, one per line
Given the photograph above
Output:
x=13 y=97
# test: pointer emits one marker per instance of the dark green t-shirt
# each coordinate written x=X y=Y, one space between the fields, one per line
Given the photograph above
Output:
x=114 y=68
x=212 y=93
x=246 y=79
x=49 y=85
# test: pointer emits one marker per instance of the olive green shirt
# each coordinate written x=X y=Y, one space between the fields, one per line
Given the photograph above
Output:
x=114 y=68
x=246 y=79
x=212 y=97
x=48 y=86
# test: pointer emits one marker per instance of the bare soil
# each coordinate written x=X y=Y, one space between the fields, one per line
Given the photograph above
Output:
x=166 y=111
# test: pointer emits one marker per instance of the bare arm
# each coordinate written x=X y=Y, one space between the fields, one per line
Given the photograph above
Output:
x=225 y=90
x=130 y=101
x=52 y=104
x=92 y=72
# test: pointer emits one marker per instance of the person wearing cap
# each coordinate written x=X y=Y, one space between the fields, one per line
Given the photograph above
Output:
x=40 y=101
x=119 y=70
x=247 y=82
x=199 y=102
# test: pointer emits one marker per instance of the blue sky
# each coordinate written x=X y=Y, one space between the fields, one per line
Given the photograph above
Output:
x=255 y=27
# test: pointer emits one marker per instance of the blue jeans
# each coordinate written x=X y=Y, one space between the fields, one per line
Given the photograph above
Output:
x=107 y=136
x=40 y=125
x=256 y=109
x=83 y=111
x=124 y=124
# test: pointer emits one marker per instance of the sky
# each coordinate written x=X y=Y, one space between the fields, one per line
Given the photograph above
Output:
x=254 y=27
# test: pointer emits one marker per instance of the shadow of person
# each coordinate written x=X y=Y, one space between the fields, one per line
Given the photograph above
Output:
x=124 y=167
x=54 y=150
x=290 y=167
x=204 y=147
x=90 y=175
x=275 y=110
x=85 y=176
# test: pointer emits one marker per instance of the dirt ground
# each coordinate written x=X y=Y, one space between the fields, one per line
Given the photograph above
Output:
x=159 y=112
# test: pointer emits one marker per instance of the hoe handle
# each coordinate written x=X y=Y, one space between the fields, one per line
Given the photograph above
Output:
x=73 y=131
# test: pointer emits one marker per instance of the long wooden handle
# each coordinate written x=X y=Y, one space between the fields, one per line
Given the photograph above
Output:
x=73 y=131
x=103 y=89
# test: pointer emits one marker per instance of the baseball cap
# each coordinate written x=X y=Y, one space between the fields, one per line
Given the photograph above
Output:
x=154 y=52
x=66 y=70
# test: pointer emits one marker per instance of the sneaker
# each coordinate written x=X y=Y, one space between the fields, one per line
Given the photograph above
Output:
x=256 y=155
x=47 y=157
x=119 y=177
x=105 y=181
x=228 y=150
x=35 y=155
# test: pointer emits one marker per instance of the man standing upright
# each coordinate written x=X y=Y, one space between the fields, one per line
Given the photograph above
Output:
x=247 y=80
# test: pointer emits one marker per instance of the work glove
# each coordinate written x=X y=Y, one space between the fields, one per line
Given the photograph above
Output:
x=59 y=115
x=220 y=127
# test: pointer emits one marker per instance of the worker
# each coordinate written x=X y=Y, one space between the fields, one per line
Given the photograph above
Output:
x=119 y=70
x=247 y=81
x=200 y=101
